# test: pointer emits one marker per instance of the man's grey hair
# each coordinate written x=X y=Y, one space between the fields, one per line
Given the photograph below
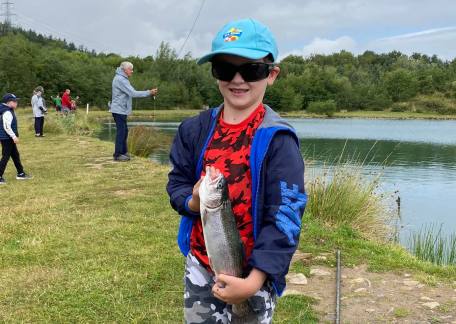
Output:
x=126 y=65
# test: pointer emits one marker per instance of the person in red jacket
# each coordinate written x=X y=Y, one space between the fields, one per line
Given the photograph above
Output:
x=66 y=101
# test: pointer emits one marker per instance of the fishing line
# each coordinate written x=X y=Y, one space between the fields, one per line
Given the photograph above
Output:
x=191 y=29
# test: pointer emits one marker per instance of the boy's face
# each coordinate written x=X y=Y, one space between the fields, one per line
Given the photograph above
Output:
x=240 y=94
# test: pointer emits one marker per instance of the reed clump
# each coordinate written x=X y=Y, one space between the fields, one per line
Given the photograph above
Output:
x=143 y=140
x=343 y=196
x=430 y=244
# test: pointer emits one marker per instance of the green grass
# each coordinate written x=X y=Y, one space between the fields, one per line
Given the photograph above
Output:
x=401 y=312
x=318 y=238
x=295 y=309
x=89 y=240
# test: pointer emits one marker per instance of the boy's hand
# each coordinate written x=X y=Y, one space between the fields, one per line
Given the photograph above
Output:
x=194 y=202
x=233 y=290
x=153 y=92
x=16 y=140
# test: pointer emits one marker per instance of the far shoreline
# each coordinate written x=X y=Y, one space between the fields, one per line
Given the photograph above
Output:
x=178 y=114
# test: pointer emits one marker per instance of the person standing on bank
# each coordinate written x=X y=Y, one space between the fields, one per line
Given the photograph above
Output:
x=121 y=106
x=9 y=137
x=39 y=110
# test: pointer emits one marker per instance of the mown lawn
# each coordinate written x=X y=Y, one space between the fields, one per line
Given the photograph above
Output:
x=89 y=240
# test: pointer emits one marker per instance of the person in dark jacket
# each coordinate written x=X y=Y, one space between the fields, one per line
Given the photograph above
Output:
x=9 y=137
x=258 y=153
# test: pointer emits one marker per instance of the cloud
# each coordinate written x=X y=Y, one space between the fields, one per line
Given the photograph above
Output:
x=440 y=41
x=326 y=46
x=137 y=27
x=420 y=34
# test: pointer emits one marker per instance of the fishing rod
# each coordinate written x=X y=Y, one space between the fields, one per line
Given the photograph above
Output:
x=338 y=287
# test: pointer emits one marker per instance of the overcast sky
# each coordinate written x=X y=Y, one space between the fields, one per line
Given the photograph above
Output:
x=302 y=27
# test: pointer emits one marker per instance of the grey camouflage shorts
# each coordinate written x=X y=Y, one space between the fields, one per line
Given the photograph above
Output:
x=200 y=305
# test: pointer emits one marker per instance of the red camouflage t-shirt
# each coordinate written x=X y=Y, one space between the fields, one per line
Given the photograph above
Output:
x=229 y=151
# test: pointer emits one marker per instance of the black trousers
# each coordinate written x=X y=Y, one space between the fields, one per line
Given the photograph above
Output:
x=9 y=150
x=39 y=125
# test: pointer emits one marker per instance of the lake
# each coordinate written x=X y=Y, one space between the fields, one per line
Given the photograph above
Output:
x=417 y=160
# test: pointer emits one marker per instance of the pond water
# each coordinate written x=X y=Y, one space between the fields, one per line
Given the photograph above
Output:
x=417 y=160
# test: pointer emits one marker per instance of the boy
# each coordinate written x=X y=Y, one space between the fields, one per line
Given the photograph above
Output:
x=9 y=137
x=258 y=153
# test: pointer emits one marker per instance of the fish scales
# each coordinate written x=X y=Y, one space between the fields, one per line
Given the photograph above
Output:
x=223 y=242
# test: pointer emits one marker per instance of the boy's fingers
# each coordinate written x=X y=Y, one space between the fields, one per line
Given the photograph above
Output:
x=218 y=292
x=221 y=278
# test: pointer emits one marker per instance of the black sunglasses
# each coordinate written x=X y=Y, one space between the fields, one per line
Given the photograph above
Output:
x=250 y=72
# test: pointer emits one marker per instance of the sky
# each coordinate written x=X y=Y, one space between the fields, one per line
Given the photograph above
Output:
x=301 y=27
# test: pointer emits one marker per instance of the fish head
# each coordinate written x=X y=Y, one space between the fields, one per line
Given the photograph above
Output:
x=213 y=189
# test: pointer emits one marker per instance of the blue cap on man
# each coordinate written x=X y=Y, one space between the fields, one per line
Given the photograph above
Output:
x=246 y=38
x=9 y=97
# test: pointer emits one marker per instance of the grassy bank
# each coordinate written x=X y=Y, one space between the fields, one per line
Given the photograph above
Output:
x=89 y=240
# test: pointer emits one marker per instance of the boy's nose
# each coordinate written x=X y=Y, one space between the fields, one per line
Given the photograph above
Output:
x=237 y=78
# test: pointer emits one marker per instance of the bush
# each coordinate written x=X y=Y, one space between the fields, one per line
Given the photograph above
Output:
x=51 y=125
x=378 y=101
x=400 y=107
x=436 y=103
x=327 y=107
x=75 y=124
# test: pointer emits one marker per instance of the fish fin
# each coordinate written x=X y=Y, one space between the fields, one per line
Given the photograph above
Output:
x=242 y=309
x=203 y=217
x=211 y=265
x=244 y=257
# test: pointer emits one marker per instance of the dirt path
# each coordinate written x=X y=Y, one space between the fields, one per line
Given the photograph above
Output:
x=374 y=297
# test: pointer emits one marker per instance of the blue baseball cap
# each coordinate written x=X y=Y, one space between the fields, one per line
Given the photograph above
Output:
x=247 y=38
x=9 y=97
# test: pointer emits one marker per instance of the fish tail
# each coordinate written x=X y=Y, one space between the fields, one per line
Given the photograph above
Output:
x=242 y=309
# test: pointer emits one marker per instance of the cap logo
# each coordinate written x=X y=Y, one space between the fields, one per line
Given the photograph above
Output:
x=232 y=35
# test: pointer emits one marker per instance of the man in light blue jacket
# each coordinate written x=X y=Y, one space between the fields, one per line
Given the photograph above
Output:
x=121 y=106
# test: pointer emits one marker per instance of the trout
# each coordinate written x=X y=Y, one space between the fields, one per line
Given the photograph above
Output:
x=223 y=242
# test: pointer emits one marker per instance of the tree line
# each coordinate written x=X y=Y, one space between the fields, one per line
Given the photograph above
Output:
x=368 y=81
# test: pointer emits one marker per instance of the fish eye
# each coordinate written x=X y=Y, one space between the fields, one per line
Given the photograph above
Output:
x=219 y=185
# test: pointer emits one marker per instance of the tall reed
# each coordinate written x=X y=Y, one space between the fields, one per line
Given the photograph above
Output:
x=430 y=244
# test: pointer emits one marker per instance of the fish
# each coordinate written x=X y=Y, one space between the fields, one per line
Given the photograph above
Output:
x=223 y=242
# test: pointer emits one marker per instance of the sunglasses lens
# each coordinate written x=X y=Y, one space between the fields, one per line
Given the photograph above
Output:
x=250 y=72
x=223 y=71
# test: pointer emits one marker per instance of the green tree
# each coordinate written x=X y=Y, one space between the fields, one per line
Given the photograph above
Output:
x=400 y=84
